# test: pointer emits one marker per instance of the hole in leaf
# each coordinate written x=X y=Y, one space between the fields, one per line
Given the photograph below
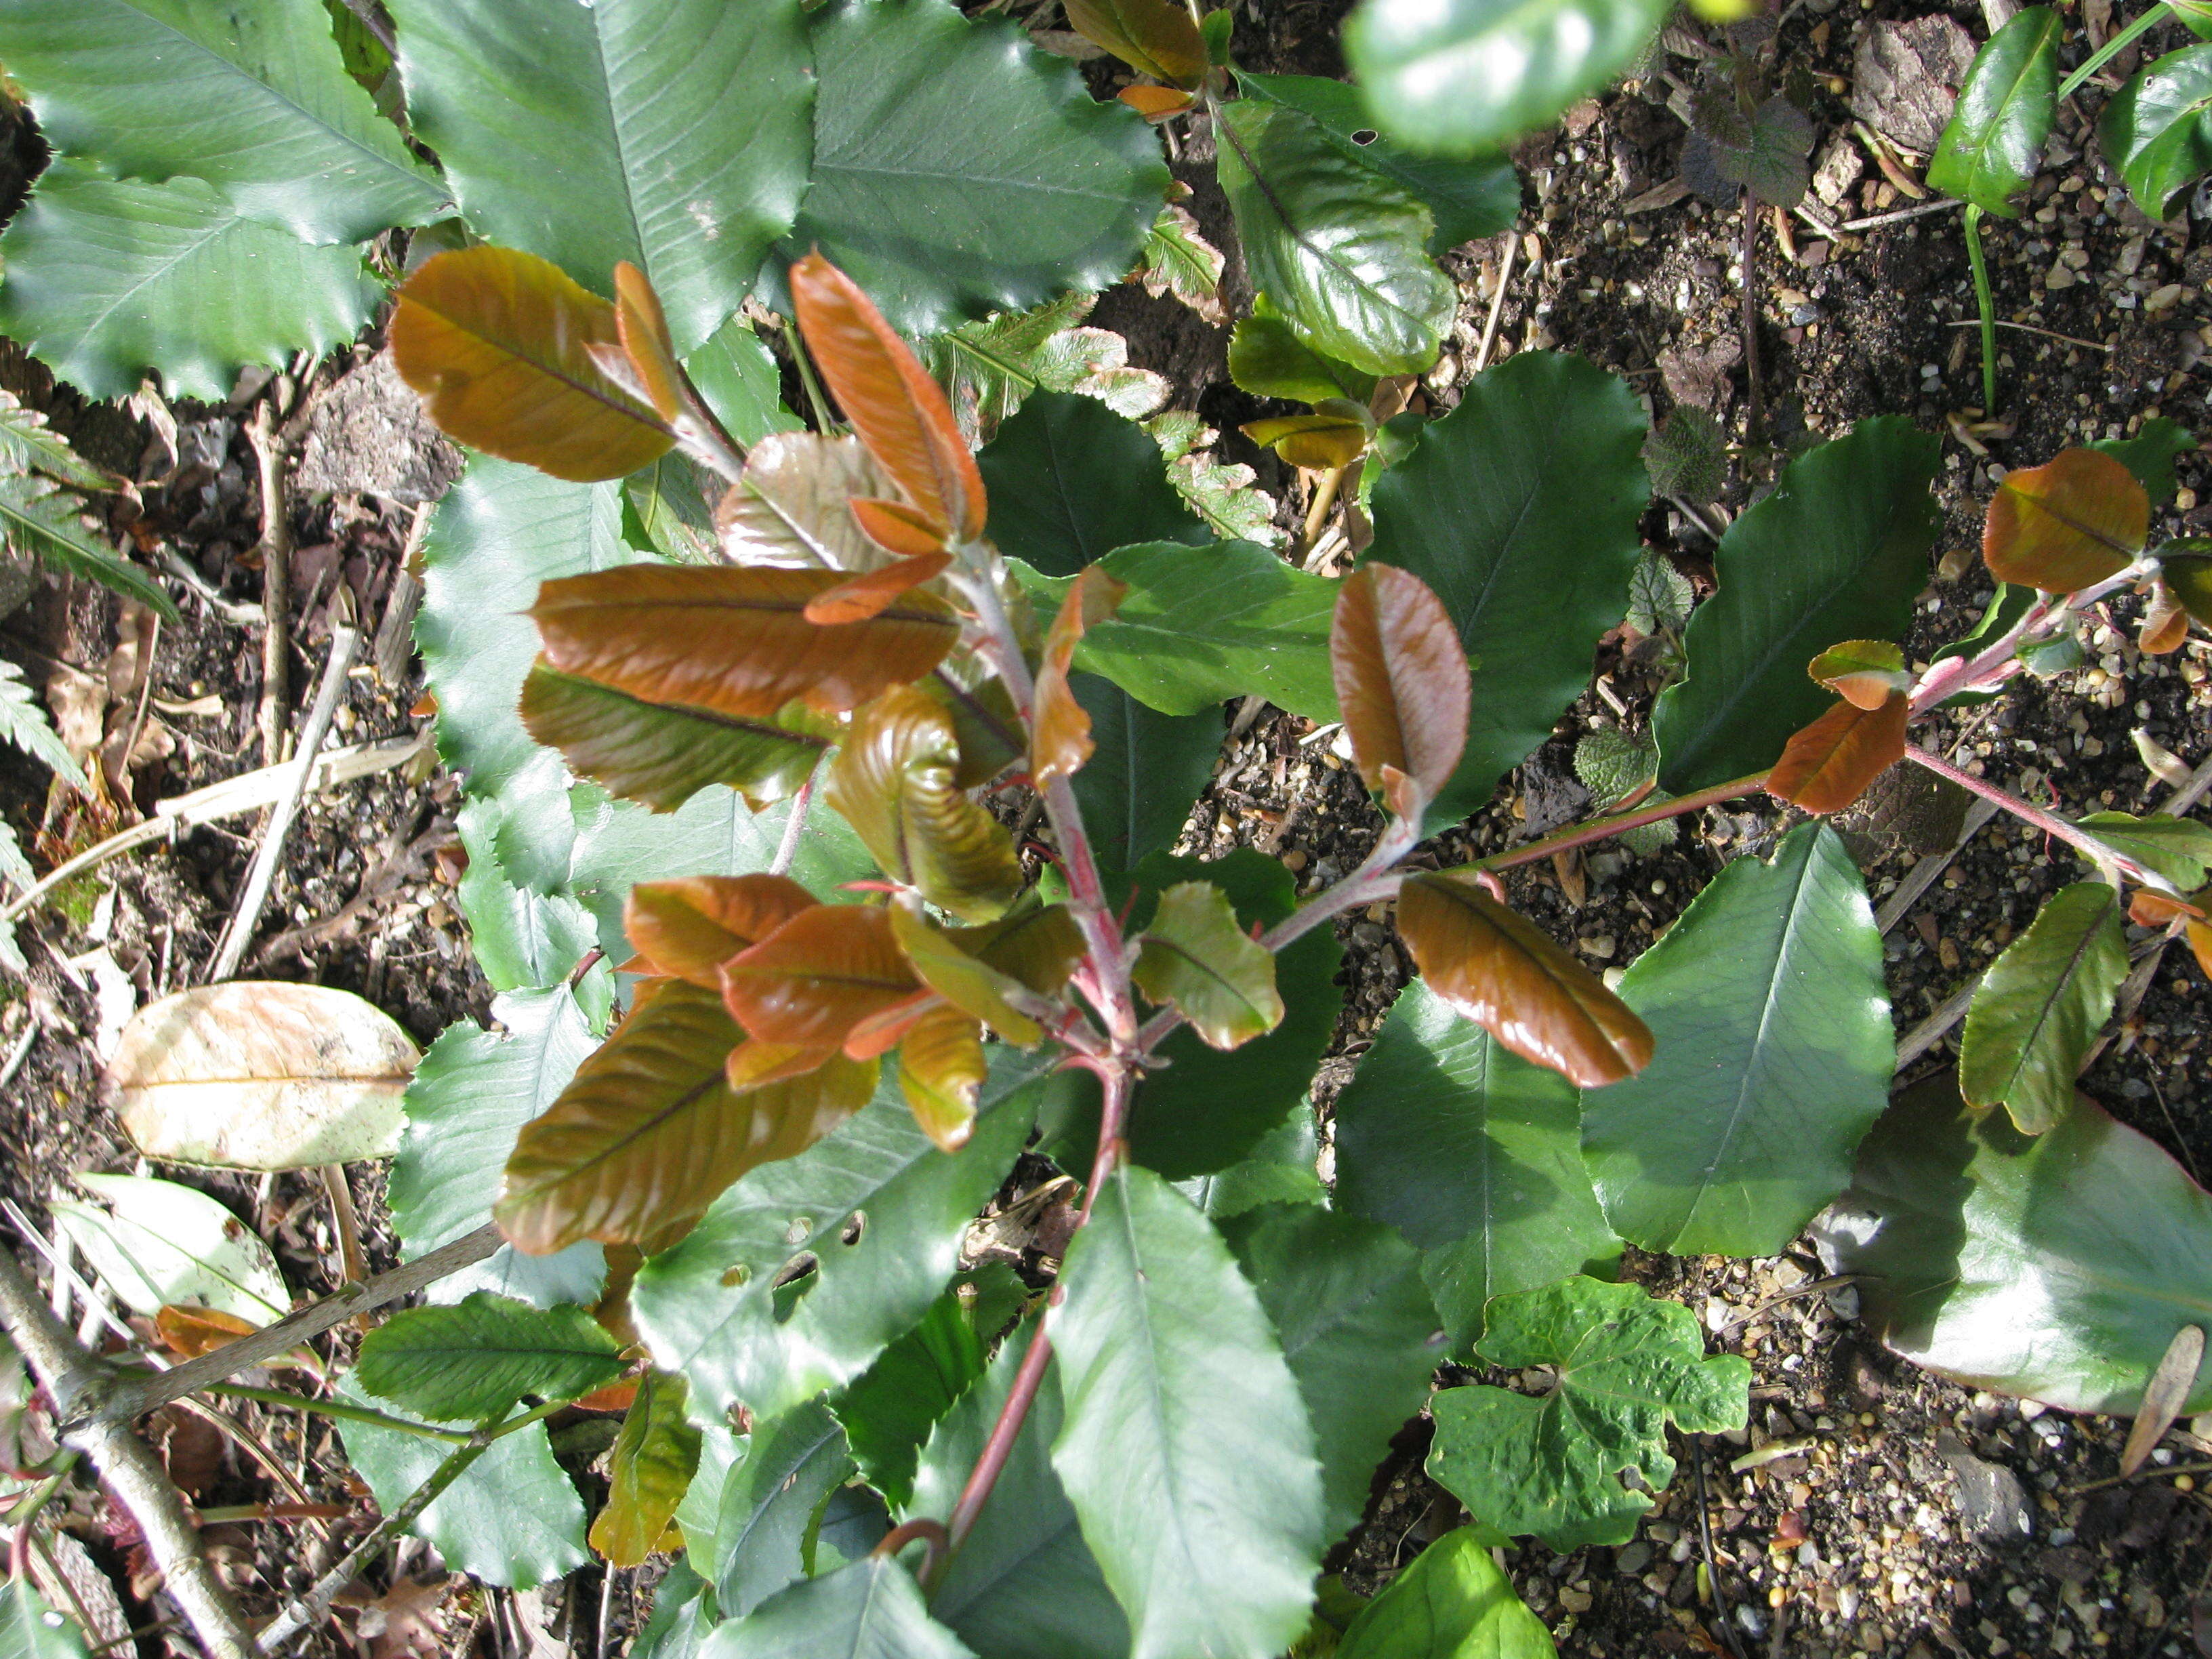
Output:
x=1366 y=136
x=792 y=1281
x=855 y=1227
x=736 y=1276
x=801 y=1226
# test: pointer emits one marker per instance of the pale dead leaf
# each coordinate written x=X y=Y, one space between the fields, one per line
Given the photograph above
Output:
x=79 y=701
x=253 y=1075
x=2162 y=1400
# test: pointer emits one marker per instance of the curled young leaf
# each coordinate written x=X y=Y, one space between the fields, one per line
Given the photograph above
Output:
x=1496 y=968
x=643 y=331
x=1153 y=37
x=736 y=641
x=499 y=344
x=1401 y=678
x=972 y=986
x=2074 y=520
x=2165 y=624
x=817 y=977
x=793 y=507
x=941 y=1069
x=892 y=403
x=689 y=928
x=1195 y=956
x=897 y=528
x=1830 y=763
x=893 y=781
x=1862 y=672
x=859 y=597
x=1060 y=728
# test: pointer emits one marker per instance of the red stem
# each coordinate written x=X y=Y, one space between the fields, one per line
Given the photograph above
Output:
x=2072 y=836
x=1600 y=829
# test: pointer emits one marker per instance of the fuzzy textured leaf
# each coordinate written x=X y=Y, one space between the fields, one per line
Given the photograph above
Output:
x=1196 y=957
x=1994 y=142
x=2074 y=520
x=2041 y=1006
x=472 y=1360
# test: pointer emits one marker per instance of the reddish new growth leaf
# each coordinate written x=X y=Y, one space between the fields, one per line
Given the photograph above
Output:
x=643 y=330
x=1155 y=103
x=1059 y=729
x=2065 y=525
x=2147 y=908
x=1501 y=972
x=1153 y=37
x=869 y=593
x=735 y=639
x=1862 y=672
x=2165 y=624
x=690 y=927
x=1829 y=764
x=817 y=977
x=502 y=345
x=892 y=402
x=1401 y=681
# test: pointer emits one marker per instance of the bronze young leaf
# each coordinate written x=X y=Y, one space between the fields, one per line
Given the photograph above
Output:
x=1195 y=956
x=644 y=334
x=690 y=927
x=2073 y=522
x=1153 y=37
x=1496 y=968
x=859 y=597
x=1401 y=678
x=734 y=640
x=499 y=344
x=817 y=977
x=890 y=400
x=1060 y=727
x=970 y=985
x=941 y=1067
x=1862 y=672
x=897 y=528
x=1829 y=764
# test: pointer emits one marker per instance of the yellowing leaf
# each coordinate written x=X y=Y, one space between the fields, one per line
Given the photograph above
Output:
x=968 y=984
x=498 y=343
x=654 y=1458
x=734 y=641
x=688 y=928
x=941 y=1069
x=1155 y=103
x=252 y=1075
x=1153 y=37
x=893 y=781
x=817 y=977
x=2071 y=522
x=1335 y=435
x=1829 y=764
x=1059 y=726
x=1401 y=678
x=1499 y=971
x=1195 y=957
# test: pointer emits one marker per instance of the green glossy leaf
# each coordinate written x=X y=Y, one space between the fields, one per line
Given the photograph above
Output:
x=871 y=1609
x=512 y=1518
x=108 y=278
x=1458 y=76
x=1519 y=510
x=1144 y=772
x=2058 y=1266
x=158 y=1244
x=1281 y=1168
x=737 y=374
x=1173 y=1383
x=681 y=130
x=475 y=1358
x=1455 y=1601
x=1193 y=957
x=255 y=100
x=650 y=1467
x=1267 y=359
x=889 y=1411
x=1024 y=1585
x=1994 y=143
x=523 y=937
x=1472 y=198
x=1357 y=1330
x=682 y=1617
x=2180 y=849
x=770 y=1504
x=1836 y=553
x=710 y=1308
x=1339 y=247
x=2157 y=130
x=2150 y=455
x=1070 y=481
x=29 y=1629
x=2041 y=1006
x=467 y=1101
x=1773 y=1058
x=1202 y=624
x=1626 y=1366
x=958 y=170
x=1473 y=1153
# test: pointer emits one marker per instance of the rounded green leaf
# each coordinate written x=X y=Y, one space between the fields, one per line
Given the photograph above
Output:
x=472 y=1360
x=1455 y=1601
x=2157 y=131
x=1456 y=77
x=1194 y=956
x=1773 y=1058
x=1070 y=481
x=2180 y=849
x=1994 y=143
x=772 y=1502
x=2041 y=1006
x=872 y=1607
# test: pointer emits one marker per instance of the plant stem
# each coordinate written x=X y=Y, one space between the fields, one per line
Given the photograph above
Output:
x=1601 y=829
x=1987 y=303
x=2112 y=49
x=2073 y=836
x=787 y=848
x=1324 y=498
x=337 y=1408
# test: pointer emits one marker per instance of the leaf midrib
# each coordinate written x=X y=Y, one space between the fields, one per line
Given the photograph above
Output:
x=2047 y=1007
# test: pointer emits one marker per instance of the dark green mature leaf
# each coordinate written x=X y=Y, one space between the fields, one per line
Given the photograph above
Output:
x=2157 y=130
x=769 y=1503
x=29 y=1629
x=1519 y=509
x=737 y=374
x=1836 y=553
x=513 y=1518
x=1202 y=624
x=473 y=1359
x=1357 y=1330
x=1774 y=1058
x=1472 y=198
x=682 y=1617
x=1267 y=359
x=709 y=1307
x=1341 y=248
x=2057 y=1267
x=1474 y=1154
x=1145 y=770
x=2180 y=849
x=871 y=1608
x=1281 y=1169
x=1173 y=1384
x=1459 y=76
x=107 y=278
x=2150 y=455
x=890 y=1409
x=255 y=100
x=958 y=172
x=1626 y=1365
x=2041 y=1006
x=1455 y=1601
x=37 y=518
x=1024 y=1585
x=682 y=129
x=1070 y=481
x=1994 y=143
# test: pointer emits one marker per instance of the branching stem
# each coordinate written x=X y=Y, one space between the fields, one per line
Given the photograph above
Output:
x=2073 y=836
x=1600 y=829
